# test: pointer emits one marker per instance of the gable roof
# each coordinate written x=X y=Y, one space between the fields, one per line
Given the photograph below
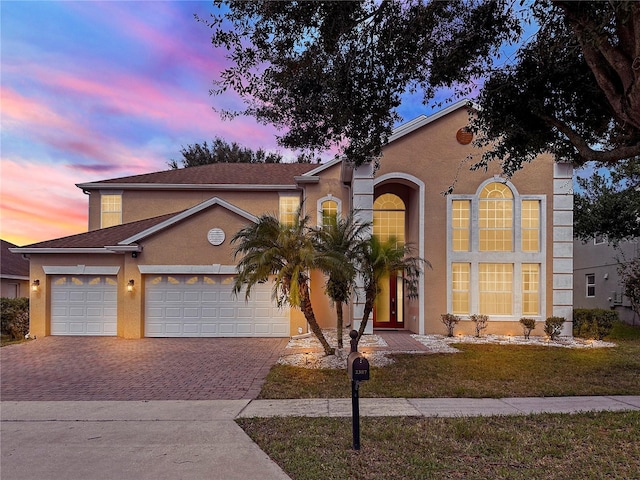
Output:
x=422 y=120
x=11 y=265
x=216 y=175
x=123 y=238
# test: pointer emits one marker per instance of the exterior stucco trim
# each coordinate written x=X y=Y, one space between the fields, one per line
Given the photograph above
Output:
x=80 y=270
x=214 y=269
x=394 y=176
x=186 y=214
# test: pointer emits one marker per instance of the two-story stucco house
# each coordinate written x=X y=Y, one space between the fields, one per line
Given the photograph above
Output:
x=157 y=260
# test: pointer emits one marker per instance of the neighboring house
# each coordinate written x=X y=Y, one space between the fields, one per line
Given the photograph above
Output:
x=596 y=282
x=157 y=260
x=14 y=273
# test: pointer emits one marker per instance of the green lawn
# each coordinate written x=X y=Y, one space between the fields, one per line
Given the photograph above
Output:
x=548 y=446
x=581 y=446
x=481 y=371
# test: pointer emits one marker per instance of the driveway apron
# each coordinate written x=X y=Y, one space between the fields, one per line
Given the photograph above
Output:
x=111 y=368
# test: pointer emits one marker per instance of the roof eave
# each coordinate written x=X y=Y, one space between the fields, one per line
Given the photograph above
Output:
x=180 y=186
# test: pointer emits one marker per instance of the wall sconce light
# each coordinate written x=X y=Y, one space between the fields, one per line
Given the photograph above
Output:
x=35 y=286
x=130 y=285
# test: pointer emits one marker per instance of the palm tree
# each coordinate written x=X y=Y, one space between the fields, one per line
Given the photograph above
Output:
x=337 y=247
x=284 y=251
x=379 y=259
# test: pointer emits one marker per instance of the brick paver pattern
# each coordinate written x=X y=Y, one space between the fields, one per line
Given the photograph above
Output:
x=111 y=368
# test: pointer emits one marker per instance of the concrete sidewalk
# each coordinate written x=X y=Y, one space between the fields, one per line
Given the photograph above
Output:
x=173 y=439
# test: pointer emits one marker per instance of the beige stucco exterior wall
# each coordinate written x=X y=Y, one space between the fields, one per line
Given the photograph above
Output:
x=433 y=155
x=141 y=204
x=40 y=301
x=10 y=288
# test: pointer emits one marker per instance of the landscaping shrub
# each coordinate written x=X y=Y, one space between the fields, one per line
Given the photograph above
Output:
x=528 y=324
x=450 y=320
x=14 y=317
x=553 y=326
x=480 y=322
x=593 y=322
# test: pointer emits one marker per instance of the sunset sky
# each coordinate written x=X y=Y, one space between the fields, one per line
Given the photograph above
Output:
x=96 y=90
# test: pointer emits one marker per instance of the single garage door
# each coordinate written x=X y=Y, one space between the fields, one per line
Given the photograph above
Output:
x=84 y=305
x=204 y=306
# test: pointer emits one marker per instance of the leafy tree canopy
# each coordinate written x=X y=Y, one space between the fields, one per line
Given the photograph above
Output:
x=609 y=204
x=221 y=151
x=333 y=73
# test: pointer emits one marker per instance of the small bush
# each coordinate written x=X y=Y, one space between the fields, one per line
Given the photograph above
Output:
x=450 y=322
x=553 y=326
x=14 y=317
x=593 y=322
x=480 y=322
x=528 y=324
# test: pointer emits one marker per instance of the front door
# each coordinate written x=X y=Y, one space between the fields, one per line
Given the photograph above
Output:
x=388 y=312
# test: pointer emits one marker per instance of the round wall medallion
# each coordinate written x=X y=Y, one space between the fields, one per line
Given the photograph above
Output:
x=215 y=236
x=464 y=136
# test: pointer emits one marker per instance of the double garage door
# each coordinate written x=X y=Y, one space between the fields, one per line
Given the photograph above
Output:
x=84 y=305
x=205 y=306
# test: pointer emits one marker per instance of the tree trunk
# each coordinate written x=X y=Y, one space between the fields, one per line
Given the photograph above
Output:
x=307 y=310
x=339 y=323
x=368 y=308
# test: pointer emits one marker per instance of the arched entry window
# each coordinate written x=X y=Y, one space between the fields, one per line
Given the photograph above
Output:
x=389 y=222
x=388 y=217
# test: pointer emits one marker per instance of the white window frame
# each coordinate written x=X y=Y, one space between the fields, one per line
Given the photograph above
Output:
x=281 y=213
x=115 y=193
x=319 y=203
x=590 y=282
x=517 y=257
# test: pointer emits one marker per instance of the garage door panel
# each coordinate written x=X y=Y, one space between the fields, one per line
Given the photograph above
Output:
x=204 y=305
x=83 y=305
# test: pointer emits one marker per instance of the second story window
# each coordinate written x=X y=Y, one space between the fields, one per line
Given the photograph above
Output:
x=110 y=210
x=289 y=207
x=329 y=212
x=496 y=218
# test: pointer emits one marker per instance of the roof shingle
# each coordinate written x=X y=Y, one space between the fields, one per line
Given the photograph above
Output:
x=221 y=174
x=12 y=263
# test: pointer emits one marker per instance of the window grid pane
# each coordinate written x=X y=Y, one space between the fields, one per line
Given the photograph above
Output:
x=530 y=225
x=530 y=289
x=111 y=210
x=591 y=285
x=329 y=212
x=460 y=287
x=496 y=225
x=461 y=224
x=289 y=210
x=496 y=288
x=389 y=218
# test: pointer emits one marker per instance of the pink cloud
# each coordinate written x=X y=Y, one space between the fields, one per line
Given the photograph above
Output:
x=39 y=203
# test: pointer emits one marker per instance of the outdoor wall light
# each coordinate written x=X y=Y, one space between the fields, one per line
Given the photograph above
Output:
x=35 y=286
x=130 y=285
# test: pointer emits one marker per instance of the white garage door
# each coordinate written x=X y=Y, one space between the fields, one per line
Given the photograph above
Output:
x=84 y=305
x=204 y=306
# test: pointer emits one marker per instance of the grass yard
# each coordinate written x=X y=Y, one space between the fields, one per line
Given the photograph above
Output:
x=584 y=446
x=481 y=371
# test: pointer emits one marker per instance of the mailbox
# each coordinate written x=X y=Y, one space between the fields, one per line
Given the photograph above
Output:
x=357 y=367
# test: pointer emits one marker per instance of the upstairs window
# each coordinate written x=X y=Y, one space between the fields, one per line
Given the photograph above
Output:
x=496 y=218
x=461 y=223
x=289 y=209
x=530 y=226
x=329 y=209
x=110 y=210
x=388 y=218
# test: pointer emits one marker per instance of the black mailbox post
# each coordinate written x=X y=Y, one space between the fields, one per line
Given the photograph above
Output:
x=358 y=371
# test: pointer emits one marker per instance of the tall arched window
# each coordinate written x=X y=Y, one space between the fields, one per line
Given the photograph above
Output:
x=496 y=218
x=388 y=217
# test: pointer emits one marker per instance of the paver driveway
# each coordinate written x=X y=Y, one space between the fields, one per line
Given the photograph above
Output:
x=110 y=368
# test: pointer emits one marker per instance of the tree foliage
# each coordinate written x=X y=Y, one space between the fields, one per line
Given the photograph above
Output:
x=220 y=151
x=609 y=204
x=333 y=73
x=286 y=252
x=339 y=245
